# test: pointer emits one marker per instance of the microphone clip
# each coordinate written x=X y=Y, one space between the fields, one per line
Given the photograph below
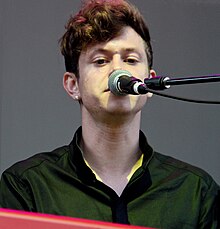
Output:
x=157 y=83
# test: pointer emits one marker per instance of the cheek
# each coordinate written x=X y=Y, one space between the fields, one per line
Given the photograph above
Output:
x=89 y=90
x=138 y=101
x=93 y=76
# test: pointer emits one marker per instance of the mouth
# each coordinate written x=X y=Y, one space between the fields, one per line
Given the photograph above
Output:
x=107 y=90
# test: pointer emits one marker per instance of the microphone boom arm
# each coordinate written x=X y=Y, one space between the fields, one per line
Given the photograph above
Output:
x=164 y=82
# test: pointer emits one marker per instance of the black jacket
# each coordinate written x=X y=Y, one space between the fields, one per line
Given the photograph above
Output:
x=162 y=193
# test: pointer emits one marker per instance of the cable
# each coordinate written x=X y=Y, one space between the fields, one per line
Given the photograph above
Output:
x=181 y=98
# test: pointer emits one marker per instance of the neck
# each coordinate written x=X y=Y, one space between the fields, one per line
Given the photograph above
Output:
x=111 y=148
x=106 y=144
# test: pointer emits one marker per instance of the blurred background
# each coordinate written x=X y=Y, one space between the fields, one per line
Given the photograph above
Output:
x=37 y=115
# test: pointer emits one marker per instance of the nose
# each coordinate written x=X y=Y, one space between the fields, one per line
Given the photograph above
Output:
x=117 y=63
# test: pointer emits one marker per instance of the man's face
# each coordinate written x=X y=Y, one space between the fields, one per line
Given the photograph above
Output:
x=96 y=63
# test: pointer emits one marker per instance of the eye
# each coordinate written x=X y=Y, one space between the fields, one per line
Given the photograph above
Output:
x=131 y=60
x=101 y=61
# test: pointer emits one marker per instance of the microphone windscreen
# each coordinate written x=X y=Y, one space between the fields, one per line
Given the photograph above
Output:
x=114 y=80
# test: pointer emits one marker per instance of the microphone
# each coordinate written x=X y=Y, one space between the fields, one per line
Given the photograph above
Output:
x=121 y=83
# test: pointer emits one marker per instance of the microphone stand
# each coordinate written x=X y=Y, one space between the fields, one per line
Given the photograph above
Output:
x=193 y=80
x=164 y=82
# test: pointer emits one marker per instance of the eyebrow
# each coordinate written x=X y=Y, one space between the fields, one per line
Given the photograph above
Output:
x=105 y=51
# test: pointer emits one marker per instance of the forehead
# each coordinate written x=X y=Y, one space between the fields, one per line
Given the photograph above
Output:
x=127 y=41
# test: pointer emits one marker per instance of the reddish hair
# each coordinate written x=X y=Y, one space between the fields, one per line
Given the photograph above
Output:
x=99 y=21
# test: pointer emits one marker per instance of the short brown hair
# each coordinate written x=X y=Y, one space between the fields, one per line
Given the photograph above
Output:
x=100 y=21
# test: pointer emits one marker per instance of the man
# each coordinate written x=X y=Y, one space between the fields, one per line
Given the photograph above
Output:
x=109 y=172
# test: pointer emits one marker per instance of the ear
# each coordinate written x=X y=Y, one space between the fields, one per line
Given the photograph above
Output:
x=152 y=75
x=70 y=84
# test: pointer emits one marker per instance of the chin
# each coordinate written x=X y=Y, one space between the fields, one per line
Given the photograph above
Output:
x=125 y=104
x=122 y=110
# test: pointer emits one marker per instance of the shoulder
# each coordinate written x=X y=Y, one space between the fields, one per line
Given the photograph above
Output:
x=38 y=162
x=178 y=168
